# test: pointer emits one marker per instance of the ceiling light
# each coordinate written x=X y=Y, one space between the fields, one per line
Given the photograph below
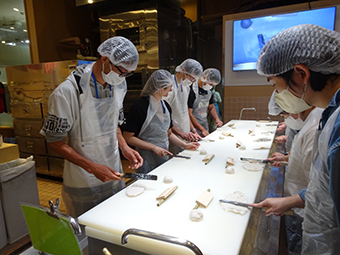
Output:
x=27 y=41
x=3 y=41
x=25 y=30
x=15 y=9
x=11 y=27
x=90 y=1
x=11 y=44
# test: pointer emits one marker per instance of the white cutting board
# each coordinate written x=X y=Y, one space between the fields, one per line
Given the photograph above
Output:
x=220 y=232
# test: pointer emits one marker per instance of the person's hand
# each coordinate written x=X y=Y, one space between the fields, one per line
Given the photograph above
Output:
x=160 y=151
x=276 y=206
x=281 y=139
x=188 y=136
x=219 y=123
x=277 y=156
x=104 y=173
x=281 y=127
x=197 y=137
x=136 y=161
x=192 y=146
x=204 y=133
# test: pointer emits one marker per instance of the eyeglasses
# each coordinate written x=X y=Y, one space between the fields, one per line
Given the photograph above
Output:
x=190 y=78
x=123 y=74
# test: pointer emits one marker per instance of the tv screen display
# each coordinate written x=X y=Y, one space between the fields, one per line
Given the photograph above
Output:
x=250 y=35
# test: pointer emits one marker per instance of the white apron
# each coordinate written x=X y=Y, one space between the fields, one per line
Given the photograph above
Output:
x=178 y=101
x=321 y=235
x=200 y=107
x=96 y=142
x=155 y=131
x=301 y=157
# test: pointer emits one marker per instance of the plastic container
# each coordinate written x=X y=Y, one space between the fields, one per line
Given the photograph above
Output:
x=17 y=184
x=3 y=234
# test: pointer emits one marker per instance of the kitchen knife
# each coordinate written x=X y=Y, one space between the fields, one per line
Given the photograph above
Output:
x=284 y=163
x=181 y=156
x=289 y=212
x=139 y=176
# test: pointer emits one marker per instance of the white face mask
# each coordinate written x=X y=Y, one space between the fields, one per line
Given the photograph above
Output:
x=112 y=77
x=186 y=83
x=207 y=87
x=291 y=103
x=295 y=124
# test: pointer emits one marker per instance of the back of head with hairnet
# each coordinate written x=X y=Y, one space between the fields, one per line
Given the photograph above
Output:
x=273 y=108
x=158 y=80
x=211 y=75
x=120 y=51
x=191 y=67
x=315 y=47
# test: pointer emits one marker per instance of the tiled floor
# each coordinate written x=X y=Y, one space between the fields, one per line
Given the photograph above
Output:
x=50 y=190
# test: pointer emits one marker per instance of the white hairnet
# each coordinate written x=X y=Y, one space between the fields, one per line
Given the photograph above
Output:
x=120 y=51
x=191 y=67
x=273 y=108
x=158 y=80
x=315 y=47
x=211 y=75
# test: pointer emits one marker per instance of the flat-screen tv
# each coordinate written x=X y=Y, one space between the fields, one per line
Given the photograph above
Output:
x=249 y=35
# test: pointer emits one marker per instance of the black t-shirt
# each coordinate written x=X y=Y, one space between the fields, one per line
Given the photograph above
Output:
x=192 y=96
x=137 y=115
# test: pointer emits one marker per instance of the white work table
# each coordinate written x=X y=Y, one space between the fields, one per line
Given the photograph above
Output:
x=220 y=232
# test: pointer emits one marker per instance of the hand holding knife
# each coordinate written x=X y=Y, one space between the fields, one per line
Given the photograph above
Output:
x=289 y=212
x=265 y=161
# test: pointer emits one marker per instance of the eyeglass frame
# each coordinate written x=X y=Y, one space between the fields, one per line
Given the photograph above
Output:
x=191 y=78
x=124 y=74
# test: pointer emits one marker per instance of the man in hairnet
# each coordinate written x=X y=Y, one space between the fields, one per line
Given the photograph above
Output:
x=200 y=101
x=299 y=162
x=303 y=63
x=148 y=124
x=85 y=108
x=186 y=73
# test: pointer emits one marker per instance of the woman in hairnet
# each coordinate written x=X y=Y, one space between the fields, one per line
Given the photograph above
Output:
x=200 y=101
x=303 y=63
x=148 y=124
x=86 y=109
x=187 y=72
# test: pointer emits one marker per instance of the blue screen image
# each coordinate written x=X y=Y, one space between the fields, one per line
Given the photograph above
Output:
x=250 y=35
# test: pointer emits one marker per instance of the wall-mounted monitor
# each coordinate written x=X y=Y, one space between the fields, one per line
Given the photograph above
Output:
x=250 y=35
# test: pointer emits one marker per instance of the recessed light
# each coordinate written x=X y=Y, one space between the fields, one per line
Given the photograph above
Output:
x=11 y=27
x=15 y=9
x=25 y=30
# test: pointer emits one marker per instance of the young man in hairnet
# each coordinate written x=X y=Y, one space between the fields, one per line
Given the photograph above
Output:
x=299 y=162
x=187 y=72
x=85 y=108
x=148 y=124
x=200 y=101
x=303 y=63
